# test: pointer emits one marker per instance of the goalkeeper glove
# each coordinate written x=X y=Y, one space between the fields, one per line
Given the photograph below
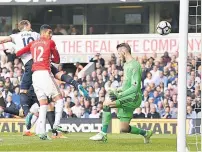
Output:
x=113 y=95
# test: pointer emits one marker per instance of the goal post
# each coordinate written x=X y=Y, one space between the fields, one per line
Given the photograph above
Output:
x=201 y=77
x=182 y=81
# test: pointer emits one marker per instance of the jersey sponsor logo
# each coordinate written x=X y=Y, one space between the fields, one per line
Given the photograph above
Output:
x=25 y=1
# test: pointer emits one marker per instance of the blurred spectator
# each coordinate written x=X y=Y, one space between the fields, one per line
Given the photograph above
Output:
x=99 y=59
x=145 y=97
x=70 y=29
x=190 y=113
x=79 y=67
x=76 y=109
x=113 y=58
x=1 y=85
x=69 y=114
x=146 y=109
x=139 y=114
x=74 y=31
x=90 y=30
x=9 y=103
x=84 y=114
x=59 y=30
x=6 y=92
x=94 y=113
x=153 y=113
x=16 y=97
x=160 y=109
x=15 y=30
x=161 y=78
x=148 y=80
x=173 y=109
x=166 y=58
x=167 y=114
x=157 y=98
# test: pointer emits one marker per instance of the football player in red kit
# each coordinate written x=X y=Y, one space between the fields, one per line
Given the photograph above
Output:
x=43 y=53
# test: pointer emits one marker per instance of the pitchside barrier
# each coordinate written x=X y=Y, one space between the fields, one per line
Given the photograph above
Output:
x=158 y=126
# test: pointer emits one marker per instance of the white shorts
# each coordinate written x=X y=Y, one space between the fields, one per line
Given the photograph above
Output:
x=44 y=85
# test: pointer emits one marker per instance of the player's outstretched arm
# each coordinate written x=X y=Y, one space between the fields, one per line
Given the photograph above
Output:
x=135 y=84
x=56 y=56
x=23 y=50
x=5 y=39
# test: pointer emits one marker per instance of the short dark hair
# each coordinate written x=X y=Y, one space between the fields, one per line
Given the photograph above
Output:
x=126 y=45
x=45 y=27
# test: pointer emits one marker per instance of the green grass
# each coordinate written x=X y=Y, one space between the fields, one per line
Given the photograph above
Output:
x=80 y=142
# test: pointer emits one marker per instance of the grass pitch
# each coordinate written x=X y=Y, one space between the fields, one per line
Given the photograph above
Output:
x=81 y=142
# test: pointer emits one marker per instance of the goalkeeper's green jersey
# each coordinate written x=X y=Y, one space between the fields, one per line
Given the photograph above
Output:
x=131 y=86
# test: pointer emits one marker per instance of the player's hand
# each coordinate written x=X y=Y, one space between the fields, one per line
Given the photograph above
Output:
x=119 y=89
x=112 y=95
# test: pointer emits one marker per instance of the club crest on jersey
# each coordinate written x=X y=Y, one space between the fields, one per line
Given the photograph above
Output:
x=135 y=84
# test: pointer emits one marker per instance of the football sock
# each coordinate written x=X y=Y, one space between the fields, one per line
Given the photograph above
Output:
x=37 y=129
x=137 y=131
x=42 y=118
x=51 y=118
x=58 y=111
x=23 y=101
x=33 y=120
x=106 y=118
x=68 y=79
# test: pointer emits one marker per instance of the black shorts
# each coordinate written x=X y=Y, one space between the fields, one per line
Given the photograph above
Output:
x=27 y=76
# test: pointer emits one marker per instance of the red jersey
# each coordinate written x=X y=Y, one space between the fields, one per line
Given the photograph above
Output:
x=42 y=51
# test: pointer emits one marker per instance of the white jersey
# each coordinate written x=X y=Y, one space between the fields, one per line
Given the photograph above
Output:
x=21 y=39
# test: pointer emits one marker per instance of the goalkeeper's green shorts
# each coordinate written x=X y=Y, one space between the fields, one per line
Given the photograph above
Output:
x=127 y=106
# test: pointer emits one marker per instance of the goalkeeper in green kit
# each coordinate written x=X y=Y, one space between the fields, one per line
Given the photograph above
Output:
x=126 y=99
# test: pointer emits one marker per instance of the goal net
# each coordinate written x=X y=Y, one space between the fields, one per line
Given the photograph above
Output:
x=194 y=83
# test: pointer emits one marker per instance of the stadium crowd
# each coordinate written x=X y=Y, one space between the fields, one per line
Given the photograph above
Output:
x=159 y=86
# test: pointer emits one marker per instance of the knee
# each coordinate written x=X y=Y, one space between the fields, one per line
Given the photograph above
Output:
x=59 y=75
x=124 y=129
x=51 y=106
x=58 y=97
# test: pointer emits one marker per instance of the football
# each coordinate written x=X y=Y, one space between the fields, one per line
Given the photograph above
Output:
x=163 y=28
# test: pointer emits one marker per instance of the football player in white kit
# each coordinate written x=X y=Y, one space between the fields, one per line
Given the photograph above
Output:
x=21 y=39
